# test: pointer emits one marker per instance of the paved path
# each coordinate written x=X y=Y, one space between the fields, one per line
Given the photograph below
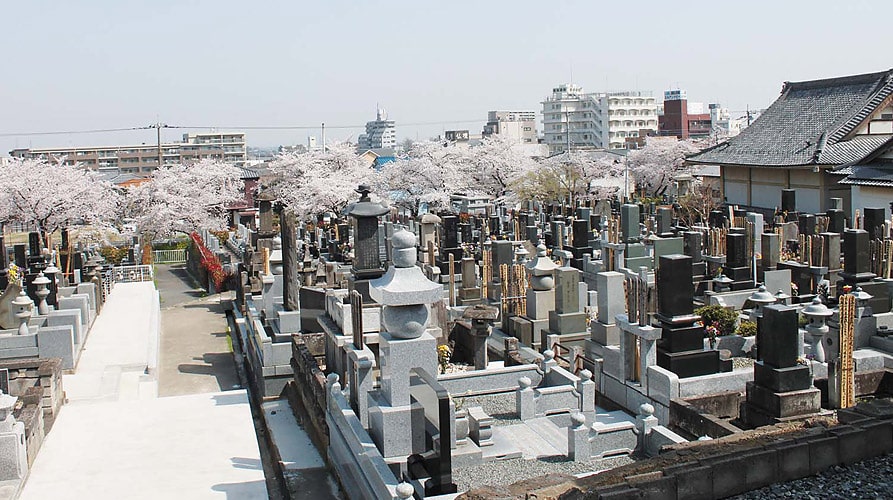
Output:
x=196 y=354
x=117 y=439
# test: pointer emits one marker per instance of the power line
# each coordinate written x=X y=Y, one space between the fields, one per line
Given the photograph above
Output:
x=72 y=132
x=252 y=127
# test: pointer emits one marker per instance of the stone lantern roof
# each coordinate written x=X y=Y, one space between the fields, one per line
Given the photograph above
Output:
x=404 y=283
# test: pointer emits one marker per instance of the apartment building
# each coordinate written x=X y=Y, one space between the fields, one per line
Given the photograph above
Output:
x=517 y=126
x=143 y=158
x=380 y=133
x=574 y=119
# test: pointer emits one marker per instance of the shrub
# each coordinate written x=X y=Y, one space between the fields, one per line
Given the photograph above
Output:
x=718 y=316
x=113 y=255
x=747 y=328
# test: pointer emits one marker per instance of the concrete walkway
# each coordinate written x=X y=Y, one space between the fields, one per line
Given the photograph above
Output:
x=196 y=354
x=116 y=439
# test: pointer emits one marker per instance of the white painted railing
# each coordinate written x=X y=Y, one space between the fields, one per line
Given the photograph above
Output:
x=130 y=274
x=177 y=256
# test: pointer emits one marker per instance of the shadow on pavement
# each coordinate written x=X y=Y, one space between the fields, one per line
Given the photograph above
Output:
x=217 y=364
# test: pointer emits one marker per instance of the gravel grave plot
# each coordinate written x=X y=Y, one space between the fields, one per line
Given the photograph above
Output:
x=871 y=478
x=742 y=363
x=499 y=406
x=504 y=472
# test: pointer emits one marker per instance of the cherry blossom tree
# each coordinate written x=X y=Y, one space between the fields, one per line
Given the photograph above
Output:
x=494 y=165
x=185 y=198
x=54 y=196
x=430 y=172
x=312 y=182
x=656 y=165
x=570 y=176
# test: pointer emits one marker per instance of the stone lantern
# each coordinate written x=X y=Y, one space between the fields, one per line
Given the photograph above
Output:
x=367 y=263
x=7 y=404
x=760 y=298
x=404 y=346
x=404 y=291
x=723 y=283
x=276 y=256
x=23 y=306
x=817 y=315
x=52 y=273
x=12 y=441
x=521 y=255
x=781 y=297
x=41 y=282
x=481 y=318
x=541 y=270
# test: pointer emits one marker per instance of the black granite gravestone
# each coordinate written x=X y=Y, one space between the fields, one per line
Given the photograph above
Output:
x=874 y=222
x=681 y=346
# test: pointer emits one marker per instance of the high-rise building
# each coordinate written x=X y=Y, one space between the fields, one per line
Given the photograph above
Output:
x=143 y=158
x=380 y=133
x=516 y=126
x=601 y=120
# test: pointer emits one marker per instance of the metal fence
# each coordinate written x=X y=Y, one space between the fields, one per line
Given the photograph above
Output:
x=125 y=274
x=177 y=256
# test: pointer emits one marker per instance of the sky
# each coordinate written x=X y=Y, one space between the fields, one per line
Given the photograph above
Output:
x=434 y=66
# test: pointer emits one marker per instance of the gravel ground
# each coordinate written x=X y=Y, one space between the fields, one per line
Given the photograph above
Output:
x=499 y=406
x=869 y=479
x=742 y=363
x=503 y=472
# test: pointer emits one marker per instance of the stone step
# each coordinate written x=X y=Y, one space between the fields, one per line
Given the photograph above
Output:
x=528 y=441
x=553 y=434
x=129 y=386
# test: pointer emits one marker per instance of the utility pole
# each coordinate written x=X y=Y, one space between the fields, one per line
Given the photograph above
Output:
x=323 y=137
x=158 y=126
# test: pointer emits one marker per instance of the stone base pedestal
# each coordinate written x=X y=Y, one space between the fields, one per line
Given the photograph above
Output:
x=692 y=363
x=765 y=406
x=397 y=357
x=540 y=303
x=397 y=431
x=469 y=296
x=605 y=334
x=565 y=323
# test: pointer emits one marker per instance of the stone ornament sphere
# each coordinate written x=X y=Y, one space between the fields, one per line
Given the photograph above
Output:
x=405 y=322
x=577 y=419
x=542 y=283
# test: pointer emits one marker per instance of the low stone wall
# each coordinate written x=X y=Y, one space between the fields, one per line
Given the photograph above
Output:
x=728 y=466
x=490 y=381
x=307 y=392
x=38 y=385
x=698 y=422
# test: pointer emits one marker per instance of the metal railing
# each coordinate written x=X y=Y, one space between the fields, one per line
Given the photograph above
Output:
x=177 y=256
x=124 y=274
x=131 y=274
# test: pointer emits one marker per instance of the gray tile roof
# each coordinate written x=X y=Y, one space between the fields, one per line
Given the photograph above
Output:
x=249 y=173
x=808 y=125
x=875 y=173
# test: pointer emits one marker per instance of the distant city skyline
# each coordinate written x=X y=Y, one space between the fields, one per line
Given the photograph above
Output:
x=104 y=64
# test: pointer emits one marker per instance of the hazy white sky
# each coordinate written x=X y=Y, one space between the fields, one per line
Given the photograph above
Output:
x=98 y=64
